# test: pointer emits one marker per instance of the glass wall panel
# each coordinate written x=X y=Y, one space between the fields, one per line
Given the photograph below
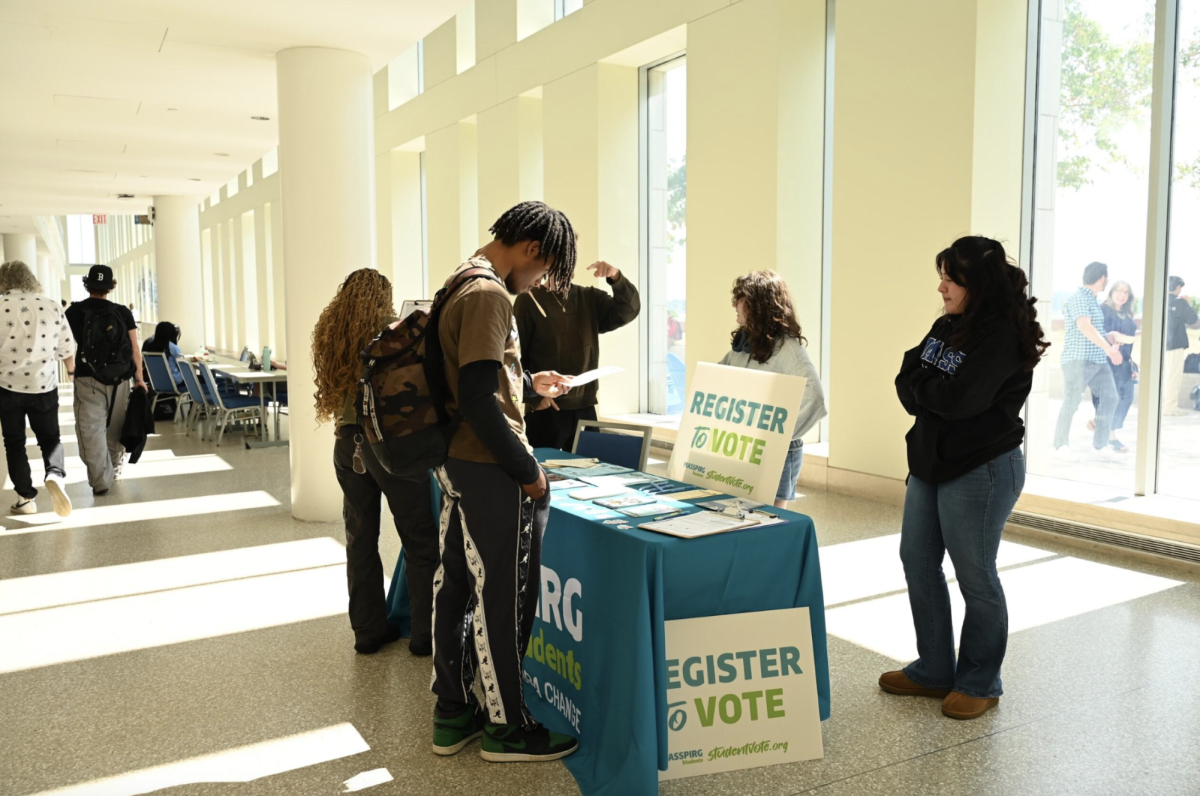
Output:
x=666 y=226
x=1089 y=236
x=1179 y=430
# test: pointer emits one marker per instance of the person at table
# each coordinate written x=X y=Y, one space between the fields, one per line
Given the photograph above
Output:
x=562 y=333
x=768 y=338
x=1120 y=330
x=495 y=501
x=360 y=310
x=965 y=384
x=165 y=340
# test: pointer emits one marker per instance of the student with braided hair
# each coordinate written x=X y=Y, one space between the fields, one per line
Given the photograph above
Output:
x=495 y=500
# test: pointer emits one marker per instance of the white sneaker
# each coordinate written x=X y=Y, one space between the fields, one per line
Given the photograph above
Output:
x=62 y=503
x=1107 y=454
x=23 y=506
x=1065 y=454
x=119 y=468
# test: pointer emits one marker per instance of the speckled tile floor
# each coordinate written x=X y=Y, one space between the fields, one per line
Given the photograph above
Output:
x=133 y=643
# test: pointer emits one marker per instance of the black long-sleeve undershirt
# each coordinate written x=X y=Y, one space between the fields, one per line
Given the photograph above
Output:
x=478 y=406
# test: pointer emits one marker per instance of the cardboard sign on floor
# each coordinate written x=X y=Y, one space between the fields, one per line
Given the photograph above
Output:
x=741 y=692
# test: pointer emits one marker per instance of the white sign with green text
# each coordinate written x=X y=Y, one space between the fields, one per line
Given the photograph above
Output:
x=741 y=693
x=735 y=431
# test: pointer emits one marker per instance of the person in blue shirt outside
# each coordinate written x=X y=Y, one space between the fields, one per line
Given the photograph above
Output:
x=1120 y=329
x=1085 y=359
x=165 y=341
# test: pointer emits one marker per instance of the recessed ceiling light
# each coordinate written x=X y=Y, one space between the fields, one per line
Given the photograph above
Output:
x=260 y=118
x=172 y=109
x=221 y=154
x=194 y=179
x=144 y=177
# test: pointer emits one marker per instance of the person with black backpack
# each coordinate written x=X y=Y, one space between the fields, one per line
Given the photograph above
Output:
x=108 y=357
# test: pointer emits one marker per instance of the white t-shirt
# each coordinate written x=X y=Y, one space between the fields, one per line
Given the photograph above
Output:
x=34 y=336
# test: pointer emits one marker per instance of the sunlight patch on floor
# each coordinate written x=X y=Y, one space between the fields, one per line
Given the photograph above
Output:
x=137 y=512
x=871 y=567
x=37 y=592
x=1037 y=595
x=243 y=764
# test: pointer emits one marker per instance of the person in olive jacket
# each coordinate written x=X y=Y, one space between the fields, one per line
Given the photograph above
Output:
x=965 y=385
x=562 y=334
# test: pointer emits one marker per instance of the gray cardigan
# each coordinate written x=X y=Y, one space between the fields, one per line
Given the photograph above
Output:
x=791 y=359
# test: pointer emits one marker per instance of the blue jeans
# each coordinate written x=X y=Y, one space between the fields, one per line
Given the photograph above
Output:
x=791 y=471
x=964 y=517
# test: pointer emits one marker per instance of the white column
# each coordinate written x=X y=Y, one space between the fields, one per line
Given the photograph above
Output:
x=23 y=247
x=43 y=273
x=326 y=154
x=177 y=266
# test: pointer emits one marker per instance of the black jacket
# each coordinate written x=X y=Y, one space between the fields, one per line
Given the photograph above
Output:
x=139 y=424
x=967 y=404
x=567 y=337
x=1180 y=315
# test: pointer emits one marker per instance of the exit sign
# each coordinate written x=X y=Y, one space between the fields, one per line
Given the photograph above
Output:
x=100 y=219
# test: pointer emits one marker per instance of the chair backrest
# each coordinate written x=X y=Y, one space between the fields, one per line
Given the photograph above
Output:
x=193 y=386
x=622 y=444
x=211 y=384
x=160 y=373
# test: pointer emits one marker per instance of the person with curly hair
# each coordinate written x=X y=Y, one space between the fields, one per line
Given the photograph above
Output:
x=39 y=337
x=768 y=338
x=965 y=384
x=362 y=308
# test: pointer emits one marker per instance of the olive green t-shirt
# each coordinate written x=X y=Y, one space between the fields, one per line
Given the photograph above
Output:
x=477 y=325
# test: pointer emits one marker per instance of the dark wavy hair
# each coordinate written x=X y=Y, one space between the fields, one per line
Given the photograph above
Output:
x=996 y=289
x=770 y=314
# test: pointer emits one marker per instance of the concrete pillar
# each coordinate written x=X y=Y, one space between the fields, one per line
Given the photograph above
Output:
x=755 y=76
x=510 y=158
x=44 y=273
x=326 y=151
x=23 y=247
x=591 y=173
x=177 y=266
x=451 y=199
x=401 y=233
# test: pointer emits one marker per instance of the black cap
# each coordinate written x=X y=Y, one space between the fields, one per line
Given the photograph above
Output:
x=99 y=277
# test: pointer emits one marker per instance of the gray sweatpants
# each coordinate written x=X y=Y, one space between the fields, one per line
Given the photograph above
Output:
x=99 y=436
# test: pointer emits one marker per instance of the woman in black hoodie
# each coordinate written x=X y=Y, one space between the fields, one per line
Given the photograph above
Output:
x=965 y=384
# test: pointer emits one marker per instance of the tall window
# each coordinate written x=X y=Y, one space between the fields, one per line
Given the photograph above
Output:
x=564 y=7
x=424 y=234
x=81 y=240
x=1091 y=194
x=665 y=222
x=1179 y=430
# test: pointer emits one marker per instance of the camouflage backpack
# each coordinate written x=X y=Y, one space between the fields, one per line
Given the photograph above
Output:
x=401 y=396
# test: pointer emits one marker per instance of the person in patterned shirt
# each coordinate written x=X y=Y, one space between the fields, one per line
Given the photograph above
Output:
x=38 y=336
x=1085 y=358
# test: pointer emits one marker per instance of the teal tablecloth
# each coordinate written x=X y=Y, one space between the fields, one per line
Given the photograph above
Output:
x=607 y=670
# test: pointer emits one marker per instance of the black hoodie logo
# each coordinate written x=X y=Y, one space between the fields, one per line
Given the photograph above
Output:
x=941 y=356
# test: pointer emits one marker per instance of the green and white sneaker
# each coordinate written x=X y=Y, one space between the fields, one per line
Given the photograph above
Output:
x=512 y=743
x=452 y=732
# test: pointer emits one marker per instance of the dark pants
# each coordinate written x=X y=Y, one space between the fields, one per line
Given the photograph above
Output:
x=410 y=500
x=485 y=593
x=42 y=411
x=1126 y=388
x=965 y=518
x=551 y=429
